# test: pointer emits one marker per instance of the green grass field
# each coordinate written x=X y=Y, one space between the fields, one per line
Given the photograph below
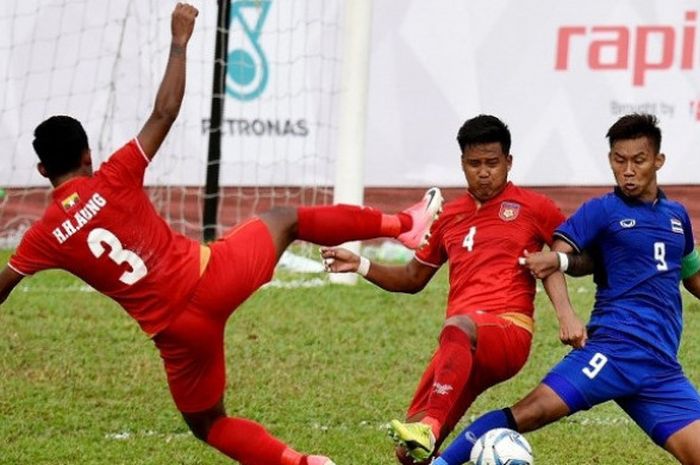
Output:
x=324 y=368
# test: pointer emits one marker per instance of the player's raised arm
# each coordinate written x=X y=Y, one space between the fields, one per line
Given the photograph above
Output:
x=9 y=278
x=172 y=87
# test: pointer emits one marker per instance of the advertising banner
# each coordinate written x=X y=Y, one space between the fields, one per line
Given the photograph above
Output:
x=559 y=73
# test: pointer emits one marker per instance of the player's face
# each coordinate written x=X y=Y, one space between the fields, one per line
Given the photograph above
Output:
x=486 y=168
x=634 y=163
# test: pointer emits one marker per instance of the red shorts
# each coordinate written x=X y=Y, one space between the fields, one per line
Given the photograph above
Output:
x=192 y=346
x=502 y=349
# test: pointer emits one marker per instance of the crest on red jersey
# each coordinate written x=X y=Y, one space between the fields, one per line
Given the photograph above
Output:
x=509 y=211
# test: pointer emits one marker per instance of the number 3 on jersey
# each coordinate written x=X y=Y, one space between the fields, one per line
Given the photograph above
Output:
x=469 y=239
x=118 y=254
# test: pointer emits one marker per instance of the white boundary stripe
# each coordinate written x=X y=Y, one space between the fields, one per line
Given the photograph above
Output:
x=127 y=435
x=56 y=289
x=588 y=420
x=291 y=284
x=598 y=421
x=297 y=283
x=583 y=421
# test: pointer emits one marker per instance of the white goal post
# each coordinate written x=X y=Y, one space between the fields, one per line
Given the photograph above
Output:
x=349 y=185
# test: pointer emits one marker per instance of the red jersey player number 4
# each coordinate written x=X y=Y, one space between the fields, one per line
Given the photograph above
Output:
x=487 y=333
x=483 y=243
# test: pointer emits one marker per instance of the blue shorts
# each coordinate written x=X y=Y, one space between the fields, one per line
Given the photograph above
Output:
x=652 y=390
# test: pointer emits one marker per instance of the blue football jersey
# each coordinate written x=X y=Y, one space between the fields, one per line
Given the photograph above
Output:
x=637 y=248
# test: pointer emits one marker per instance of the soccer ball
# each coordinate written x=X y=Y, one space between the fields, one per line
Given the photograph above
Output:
x=502 y=446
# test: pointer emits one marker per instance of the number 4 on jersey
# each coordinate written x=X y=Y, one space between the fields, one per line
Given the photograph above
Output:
x=469 y=239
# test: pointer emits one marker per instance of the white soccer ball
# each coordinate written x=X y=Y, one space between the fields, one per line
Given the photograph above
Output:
x=502 y=446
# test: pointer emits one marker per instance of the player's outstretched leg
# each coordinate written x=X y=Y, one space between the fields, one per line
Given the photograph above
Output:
x=335 y=224
x=250 y=444
x=244 y=440
x=438 y=396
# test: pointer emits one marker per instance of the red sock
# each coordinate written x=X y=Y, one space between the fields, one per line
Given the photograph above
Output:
x=335 y=224
x=452 y=369
x=249 y=443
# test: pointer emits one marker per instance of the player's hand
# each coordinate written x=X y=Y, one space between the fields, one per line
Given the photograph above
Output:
x=540 y=264
x=572 y=331
x=339 y=260
x=182 y=23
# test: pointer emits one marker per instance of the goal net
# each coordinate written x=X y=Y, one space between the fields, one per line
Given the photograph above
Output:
x=101 y=62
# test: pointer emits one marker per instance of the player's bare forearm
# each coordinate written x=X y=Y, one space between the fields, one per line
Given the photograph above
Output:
x=555 y=286
x=572 y=331
x=542 y=264
x=8 y=280
x=409 y=278
x=580 y=264
x=692 y=284
x=4 y=295
x=172 y=88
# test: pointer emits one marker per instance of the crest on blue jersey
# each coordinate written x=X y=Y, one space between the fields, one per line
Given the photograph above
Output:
x=628 y=223
x=676 y=226
x=509 y=211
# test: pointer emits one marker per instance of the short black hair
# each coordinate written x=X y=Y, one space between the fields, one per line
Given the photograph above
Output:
x=484 y=129
x=60 y=142
x=636 y=125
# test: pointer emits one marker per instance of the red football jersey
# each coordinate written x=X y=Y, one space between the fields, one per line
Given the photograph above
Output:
x=105 y=230
x=482 y=246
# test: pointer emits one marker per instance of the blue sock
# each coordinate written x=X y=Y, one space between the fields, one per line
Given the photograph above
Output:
x=460 y=448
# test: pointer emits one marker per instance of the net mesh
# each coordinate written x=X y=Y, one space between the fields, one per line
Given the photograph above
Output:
x=101 y=62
